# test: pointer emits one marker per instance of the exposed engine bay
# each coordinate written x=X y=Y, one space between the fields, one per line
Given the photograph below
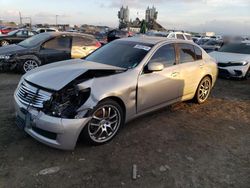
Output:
x=65 y=102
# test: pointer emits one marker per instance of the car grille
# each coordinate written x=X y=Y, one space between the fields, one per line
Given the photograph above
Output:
x=229 y=64
x=32 y=96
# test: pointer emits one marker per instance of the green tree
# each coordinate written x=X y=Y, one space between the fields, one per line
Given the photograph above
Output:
x=143 y=27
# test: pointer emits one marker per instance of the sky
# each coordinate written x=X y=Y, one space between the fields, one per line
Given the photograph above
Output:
x=221 y=16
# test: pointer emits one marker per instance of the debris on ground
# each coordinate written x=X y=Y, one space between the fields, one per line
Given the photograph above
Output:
x=134 y=172
x=50 y=170
x=190 y=158
x=164 y=168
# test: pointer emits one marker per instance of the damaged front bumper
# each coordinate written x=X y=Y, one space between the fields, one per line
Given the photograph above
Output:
x=55 y=132
x=7 y=64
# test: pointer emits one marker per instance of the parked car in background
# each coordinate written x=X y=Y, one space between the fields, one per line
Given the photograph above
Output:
x=179 y=35
x=118 y=34
x=43 y=30
x=157 y=34
x=212 y=45
x=46 y=48
x=101 y=37
x=122 y=80
x=233 y=59
x=6 y=30
x=1 y=27
x=202 y=40
x=16 y=36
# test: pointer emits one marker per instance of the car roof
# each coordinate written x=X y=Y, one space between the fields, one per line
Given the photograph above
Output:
x=153 y=40
x=55 y=34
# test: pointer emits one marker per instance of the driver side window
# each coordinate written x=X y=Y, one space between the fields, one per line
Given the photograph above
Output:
x=165 y=55
x=21 y=33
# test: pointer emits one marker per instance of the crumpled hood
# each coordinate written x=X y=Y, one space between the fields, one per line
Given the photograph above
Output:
x=11 y=49
x=57 y=75
x=224 y=57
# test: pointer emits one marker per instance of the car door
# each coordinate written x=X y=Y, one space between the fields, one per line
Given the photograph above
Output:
x=191 y=65
x=156 y=88
x=56 y=49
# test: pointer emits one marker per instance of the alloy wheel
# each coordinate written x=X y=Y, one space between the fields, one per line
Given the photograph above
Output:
x=204 y=90
x=4 y=43
x=104 y=124
x=29 y=65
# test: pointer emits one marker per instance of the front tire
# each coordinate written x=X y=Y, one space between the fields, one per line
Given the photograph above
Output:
x=28 y=63
x=203 y=90
x=106 y=120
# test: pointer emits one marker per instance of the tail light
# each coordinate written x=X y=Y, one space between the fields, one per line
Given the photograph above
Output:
x=130 y=34
x=98 y=44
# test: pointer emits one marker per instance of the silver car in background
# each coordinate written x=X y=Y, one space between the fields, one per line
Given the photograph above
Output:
x=233 y=60
x=124 y=79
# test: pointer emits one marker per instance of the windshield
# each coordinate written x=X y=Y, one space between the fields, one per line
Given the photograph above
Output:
x=125 y=54
x=35 y=40
x=12 y=32
x=211 y=42
x=239 y=48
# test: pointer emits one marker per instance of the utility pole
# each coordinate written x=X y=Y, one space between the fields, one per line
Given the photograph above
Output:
x=30 y=19
x=56 y=19
x=20 y=16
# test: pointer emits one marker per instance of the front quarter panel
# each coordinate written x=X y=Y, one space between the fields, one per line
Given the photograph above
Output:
x=121 y=85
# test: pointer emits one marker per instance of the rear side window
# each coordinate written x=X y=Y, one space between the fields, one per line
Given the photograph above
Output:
x=82 y=41
x=22 y=33
x=180 y=36
x=198 y=53
x=165 y=55
x=188 y=37
x=186 y=53
x=59 y=43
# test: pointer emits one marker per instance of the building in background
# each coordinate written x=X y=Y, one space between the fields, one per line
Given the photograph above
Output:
x=151 y=14
x=135 y=25
x=123 y=16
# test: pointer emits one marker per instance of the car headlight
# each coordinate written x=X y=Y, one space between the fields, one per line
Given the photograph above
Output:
x=5 y=57
x=243 y=63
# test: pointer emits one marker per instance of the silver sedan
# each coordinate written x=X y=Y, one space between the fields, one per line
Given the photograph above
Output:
x=94 y=97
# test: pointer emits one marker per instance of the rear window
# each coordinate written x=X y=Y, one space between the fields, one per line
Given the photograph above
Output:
x=125 y=54
x=186 y=53
x=188 y=37
x=239 y=48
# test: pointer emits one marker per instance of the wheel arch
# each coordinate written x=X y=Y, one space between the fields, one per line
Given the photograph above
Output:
x=119 y=101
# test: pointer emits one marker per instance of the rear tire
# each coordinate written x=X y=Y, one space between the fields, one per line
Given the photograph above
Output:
x=203 y=90
x=4 y=43
x=107 y=119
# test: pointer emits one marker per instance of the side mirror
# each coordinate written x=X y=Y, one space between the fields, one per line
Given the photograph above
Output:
x=155 y=67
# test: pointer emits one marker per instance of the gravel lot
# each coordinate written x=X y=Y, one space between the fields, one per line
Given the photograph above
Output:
x=185 y=145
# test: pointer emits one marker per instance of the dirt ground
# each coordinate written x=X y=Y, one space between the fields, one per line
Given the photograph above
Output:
x=185 y=145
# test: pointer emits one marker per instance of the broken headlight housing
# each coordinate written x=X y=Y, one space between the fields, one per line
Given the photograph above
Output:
x=6 y=57
x=64 y=104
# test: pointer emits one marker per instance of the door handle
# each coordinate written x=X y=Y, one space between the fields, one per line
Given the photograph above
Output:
x=201 y=65
x=174 y=74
